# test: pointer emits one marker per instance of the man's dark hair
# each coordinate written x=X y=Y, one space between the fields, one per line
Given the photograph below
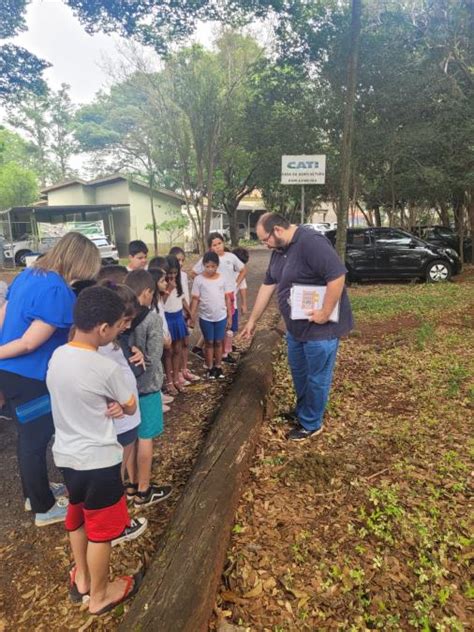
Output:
x=210 y=257
x=158 y=262
x=270 y=220
x=177 y=250
x=95 y=306
x=242 y=254
x=137 y=246
x=212 y=236
x=114 y=273
x=140 y=280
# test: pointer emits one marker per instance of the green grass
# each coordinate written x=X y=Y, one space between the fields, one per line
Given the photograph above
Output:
x=390 y=300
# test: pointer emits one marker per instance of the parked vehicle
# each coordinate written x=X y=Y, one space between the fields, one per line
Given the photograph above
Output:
x=391 y=253
x=444 y=237
x=108 y=251
x=26 y=246
x=322 y=227
x=29 y=245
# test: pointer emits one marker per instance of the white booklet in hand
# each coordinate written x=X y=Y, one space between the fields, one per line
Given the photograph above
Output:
x=306 y=297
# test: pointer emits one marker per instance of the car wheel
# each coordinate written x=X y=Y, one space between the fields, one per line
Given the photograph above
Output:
x=438 y=271
x=20 y=257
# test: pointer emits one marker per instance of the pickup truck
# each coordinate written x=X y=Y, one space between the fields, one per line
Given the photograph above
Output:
x=28 y=245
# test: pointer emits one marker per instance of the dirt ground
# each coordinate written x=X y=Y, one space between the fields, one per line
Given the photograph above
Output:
x=367 y=526
x=35 y=562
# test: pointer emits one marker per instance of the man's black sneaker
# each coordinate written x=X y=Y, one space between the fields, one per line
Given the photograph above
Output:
x=218 y=373
x=136 y=528
x=229 y=359
x=292 y=418
x=198 y=351
x=154 y=494
x=300 y=434
x=211 y=374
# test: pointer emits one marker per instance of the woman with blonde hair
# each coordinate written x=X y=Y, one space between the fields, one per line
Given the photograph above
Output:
x=34 y=321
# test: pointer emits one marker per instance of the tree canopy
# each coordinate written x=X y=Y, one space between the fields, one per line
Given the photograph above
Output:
x=20 y=70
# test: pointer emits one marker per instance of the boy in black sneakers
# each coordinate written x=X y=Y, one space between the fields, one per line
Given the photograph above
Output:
x=147 y=335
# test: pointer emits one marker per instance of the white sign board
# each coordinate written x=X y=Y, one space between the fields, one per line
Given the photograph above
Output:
x=303 y=169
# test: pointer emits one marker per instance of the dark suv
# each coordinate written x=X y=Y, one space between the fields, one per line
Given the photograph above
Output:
x=445 y=237
x=391 y=253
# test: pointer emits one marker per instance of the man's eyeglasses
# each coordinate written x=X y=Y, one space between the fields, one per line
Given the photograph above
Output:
x=265 y=240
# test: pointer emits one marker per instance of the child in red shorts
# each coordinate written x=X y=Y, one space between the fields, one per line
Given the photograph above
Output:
x=87 y=392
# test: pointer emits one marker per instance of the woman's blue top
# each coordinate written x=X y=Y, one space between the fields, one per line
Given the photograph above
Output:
x=36 y=295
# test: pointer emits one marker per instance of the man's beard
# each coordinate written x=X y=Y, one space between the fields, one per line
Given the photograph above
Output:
x=280 y=244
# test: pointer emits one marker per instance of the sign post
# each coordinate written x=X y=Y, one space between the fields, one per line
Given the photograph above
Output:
x=303 y=170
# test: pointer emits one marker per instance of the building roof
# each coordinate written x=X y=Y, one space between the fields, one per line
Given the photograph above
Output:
x=115 y=177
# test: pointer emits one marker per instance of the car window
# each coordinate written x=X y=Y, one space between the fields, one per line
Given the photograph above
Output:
x=445 y=232
x=392 y=238
x=358 y=239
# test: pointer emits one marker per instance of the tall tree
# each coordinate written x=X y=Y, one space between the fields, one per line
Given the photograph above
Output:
x=347 y=134
x=118 y=125
x=62 y=142
x=20 y=70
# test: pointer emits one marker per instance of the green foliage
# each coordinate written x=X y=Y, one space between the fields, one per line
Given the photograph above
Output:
x=173 y=227
x=18 y=185
x=46 y=120
x=20 y=70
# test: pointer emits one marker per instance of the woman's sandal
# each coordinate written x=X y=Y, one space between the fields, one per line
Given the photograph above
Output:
x=133 y=583
x=131 y=490
x=74 y=595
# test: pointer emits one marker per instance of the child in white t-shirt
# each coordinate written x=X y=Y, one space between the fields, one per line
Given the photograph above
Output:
x=230 y=267
x=126 y=426
x=88 y=392
x=186 y=374
x=211 y=299
x=175 y=304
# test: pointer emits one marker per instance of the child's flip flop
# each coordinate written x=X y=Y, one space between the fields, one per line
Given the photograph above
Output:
x=130 y=591
x=74 y=595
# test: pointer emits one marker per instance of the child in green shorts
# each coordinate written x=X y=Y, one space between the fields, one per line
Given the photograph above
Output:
x=147 y=335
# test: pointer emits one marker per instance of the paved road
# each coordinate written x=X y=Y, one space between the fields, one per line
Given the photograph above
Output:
x=12 y=514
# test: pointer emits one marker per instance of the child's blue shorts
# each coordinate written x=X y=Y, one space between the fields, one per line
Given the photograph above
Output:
x=213 y=332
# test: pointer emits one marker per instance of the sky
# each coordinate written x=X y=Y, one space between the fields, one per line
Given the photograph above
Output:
x=81 y=60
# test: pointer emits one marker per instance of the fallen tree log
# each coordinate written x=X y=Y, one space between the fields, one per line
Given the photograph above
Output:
x=179 y=589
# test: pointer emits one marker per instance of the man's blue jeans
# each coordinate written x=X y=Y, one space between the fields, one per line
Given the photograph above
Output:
x=312 y=366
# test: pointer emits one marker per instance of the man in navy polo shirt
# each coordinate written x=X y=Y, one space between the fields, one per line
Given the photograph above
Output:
x=300 y=255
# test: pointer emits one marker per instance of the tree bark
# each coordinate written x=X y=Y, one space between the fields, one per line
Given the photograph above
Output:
x=152 y=211
x=347 y=135
x=378 y=217
x=178 y=593
x=233 y=226
x=471 y=221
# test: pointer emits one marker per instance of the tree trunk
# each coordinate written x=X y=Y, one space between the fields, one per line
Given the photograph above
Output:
x=347 y=135
x=366 y=214
x=378 y=218
x=470 y=211
x=443 y=214
x=153 y=216
x=179 y=590
x=233 y=227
